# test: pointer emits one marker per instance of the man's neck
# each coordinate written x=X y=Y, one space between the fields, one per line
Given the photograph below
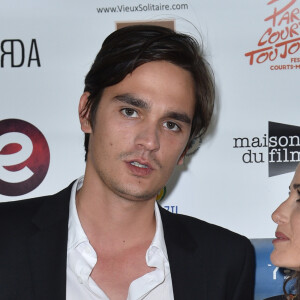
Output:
x=111 y=220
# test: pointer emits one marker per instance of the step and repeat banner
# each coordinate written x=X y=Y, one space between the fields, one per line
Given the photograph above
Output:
x=243 y=168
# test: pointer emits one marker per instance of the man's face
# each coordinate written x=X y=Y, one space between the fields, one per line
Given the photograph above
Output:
x=286 y=251
x=141 y=129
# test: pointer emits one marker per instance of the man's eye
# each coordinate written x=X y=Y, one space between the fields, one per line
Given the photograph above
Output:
x=129 y=112
x=171 y=126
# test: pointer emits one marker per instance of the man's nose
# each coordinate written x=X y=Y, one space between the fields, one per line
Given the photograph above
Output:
x=148 y=137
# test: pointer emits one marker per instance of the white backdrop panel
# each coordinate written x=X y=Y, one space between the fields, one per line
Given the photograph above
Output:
x=215 y=185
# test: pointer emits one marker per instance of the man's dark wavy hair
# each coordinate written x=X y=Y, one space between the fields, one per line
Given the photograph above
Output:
x=128 y=48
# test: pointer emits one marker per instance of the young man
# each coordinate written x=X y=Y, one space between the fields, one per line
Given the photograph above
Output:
x=148 y=96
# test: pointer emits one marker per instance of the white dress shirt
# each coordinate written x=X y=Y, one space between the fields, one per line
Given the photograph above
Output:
x=81 y=259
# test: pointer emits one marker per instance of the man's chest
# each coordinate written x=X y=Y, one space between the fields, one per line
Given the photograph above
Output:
x=114 y=273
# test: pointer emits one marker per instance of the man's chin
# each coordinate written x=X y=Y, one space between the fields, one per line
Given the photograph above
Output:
x=138 y=196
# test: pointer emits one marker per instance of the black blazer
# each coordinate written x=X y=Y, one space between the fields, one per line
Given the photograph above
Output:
x=206 y=261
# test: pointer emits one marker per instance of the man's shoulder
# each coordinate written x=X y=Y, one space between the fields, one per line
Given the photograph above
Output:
x=13 y=211
x=202 y=231
x=21 y=209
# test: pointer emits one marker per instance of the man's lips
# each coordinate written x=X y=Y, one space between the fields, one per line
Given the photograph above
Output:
x=140 y=163
x=139 y=167
x=280 y=237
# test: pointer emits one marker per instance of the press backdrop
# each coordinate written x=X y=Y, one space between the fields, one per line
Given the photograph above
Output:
x=244 y=166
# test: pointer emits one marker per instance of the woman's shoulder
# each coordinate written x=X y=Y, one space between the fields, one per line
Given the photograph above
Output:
x=282 y=297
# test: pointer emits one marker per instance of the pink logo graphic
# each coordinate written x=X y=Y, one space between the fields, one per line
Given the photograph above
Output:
x=24 y=157
x=281 y=39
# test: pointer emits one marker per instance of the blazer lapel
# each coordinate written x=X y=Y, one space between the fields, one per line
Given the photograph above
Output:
x=48 y=252
x=185 y=258
x=48 y=247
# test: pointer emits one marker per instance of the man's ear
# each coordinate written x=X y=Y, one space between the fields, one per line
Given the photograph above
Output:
x=181 y=158
x=83 y=114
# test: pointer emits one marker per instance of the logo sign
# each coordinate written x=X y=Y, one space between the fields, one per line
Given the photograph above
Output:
x=279 y=43
x=15 y=54
x=283 y=148
x=161 y=194
x=164 y=23
x=24 y=157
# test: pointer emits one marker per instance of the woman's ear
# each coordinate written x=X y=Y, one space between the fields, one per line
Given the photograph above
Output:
x=83 y=114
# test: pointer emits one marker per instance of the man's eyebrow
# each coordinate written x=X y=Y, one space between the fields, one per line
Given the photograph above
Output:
x=132 y=100
x=182 y=117
x=137 y=102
